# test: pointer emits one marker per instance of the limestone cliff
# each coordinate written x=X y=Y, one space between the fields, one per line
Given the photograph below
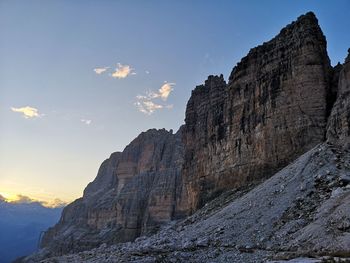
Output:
x=273 y=109
x=301 y=211
x=133 y=193
x=339 y=122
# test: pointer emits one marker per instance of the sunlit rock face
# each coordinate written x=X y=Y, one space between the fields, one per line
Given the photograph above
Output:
x=273 y=109
x=134 y=192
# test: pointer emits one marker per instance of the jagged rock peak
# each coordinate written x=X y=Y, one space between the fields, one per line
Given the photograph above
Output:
x=347 y=60
x=209 y=95
x=305 y=29
x=213 y=81
x=273 y=109
x=133 y=193
x=338 y=129
x=105 y=177
x=154 y=131
x=306 y=19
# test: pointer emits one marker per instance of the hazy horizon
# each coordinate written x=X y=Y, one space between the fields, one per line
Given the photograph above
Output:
x=80 y=80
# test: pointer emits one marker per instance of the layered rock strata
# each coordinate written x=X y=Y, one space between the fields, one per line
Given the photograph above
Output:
x=339 y=122
x=301 y=211
x=273 y=109
x=134 y=193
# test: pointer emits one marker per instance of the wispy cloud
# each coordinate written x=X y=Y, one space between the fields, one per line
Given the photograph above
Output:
x=147 y=72
x=147 y=106
x=146 y=103
x=87 y=122
x=122 y=71
x=162 y=93
x=28 y=112
x=99 y=71
x=23 y=199
x=165 y=90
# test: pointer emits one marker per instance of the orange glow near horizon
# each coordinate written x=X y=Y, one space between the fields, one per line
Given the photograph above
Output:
x=48 y=202
x=8 y=197
x=45 y=193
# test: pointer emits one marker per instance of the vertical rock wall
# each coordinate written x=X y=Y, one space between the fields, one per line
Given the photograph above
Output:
x=338 y=130
x=133 y=193
x=273 y=109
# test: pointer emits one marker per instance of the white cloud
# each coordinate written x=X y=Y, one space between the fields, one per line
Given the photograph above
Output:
x=147 y=106
x=28 y=112
x=87 y=122
x=99 y=71
x=165 y=90
x=147 y=72
x=162 y=93
x=122 y=71
x=146 y=103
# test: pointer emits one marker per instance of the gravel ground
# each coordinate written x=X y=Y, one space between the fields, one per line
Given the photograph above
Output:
x=301 y=214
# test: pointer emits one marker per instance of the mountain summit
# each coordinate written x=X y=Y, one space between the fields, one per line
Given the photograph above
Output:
x=259 y=169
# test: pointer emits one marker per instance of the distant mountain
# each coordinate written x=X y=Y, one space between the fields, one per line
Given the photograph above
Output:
x=20 y=226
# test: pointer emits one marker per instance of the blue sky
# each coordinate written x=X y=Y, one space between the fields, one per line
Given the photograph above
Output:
x=49 y=50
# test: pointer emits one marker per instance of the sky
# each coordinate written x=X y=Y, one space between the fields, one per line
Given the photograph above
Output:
x=81 y=79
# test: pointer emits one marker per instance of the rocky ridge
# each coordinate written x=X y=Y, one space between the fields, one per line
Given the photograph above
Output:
x=113 y=208
x=277 y=105
x=303 y=210
x=338 y=130
x=273 y=109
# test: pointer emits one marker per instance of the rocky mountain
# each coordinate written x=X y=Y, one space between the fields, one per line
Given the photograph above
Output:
x=273 y=109
x=260 y=170
x=338 y=130
x=134 y=193
x=301 y=211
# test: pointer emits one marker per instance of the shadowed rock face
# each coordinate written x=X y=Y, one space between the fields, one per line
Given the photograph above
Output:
x=134 y=192
x=304 y=209
x=338 y=131
x=273 y=109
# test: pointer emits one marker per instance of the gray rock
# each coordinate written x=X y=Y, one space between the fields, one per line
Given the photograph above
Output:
x=344 y=179
x=113 y=207
x=338 y=128
x=272 y=110
x=253 y=235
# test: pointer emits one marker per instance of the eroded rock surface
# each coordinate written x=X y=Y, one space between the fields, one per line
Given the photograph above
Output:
x=280 y=101
x=273 y=109
x=339 y=122
x=133 y=193
x=302 y=211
